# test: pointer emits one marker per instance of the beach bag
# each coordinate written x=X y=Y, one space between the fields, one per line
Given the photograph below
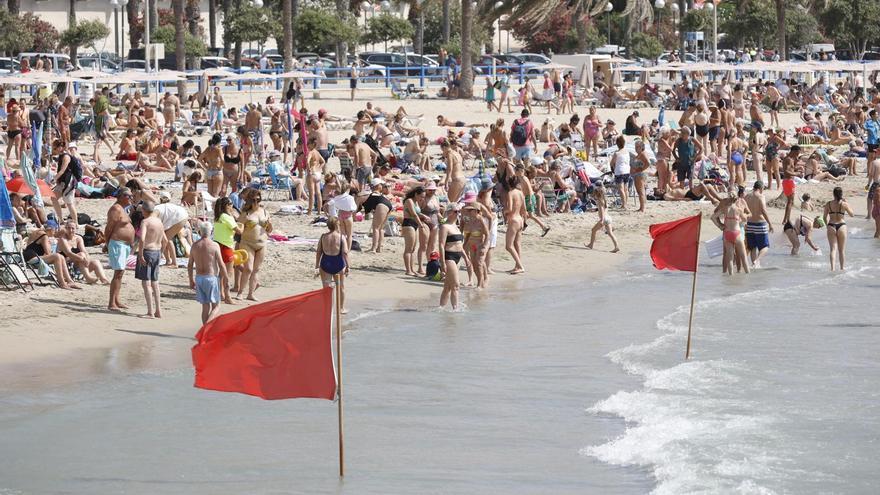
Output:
x=392 y=228
x=519 y=135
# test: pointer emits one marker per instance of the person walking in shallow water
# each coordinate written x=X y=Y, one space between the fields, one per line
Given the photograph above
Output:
x=834 y=217
x=207 y=261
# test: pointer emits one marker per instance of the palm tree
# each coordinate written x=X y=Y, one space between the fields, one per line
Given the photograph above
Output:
x=71 y=14
x=287 y=34
x=193 y=18
x=212 y=23
x=780 y=29
x=341 y=47
x=133 y=9
x=466 y=83
x=179 y=42
x=446 y=27
x=14 y=6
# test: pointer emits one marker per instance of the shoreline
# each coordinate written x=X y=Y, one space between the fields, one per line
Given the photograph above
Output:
x=43 y=361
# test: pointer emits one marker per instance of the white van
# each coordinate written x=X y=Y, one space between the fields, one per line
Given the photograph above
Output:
x=60 y=61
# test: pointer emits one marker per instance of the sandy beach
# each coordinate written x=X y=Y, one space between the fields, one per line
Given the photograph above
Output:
x=50 y=324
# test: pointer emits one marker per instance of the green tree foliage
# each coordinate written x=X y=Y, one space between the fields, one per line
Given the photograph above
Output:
x=386 y=27
x=559 y=35
x=646 y=46
x=45 y=35
x=14 y=36
x=247 y=24
x=480 y=36
x=319 y=30
x=756 y=26
x=195 y=47
x=852 y=23
x=83 y=34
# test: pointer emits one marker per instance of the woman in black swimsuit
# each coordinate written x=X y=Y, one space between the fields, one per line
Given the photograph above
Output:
x=38 y=247
x=451 y=247
x=834 y=217
x=231 y=165
x=412 y=223
x=380 y=206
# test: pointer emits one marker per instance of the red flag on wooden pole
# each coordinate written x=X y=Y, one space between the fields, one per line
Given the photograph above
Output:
x=676 y=246
x=279 y=349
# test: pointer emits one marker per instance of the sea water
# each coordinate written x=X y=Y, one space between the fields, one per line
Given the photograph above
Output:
x=576 y=386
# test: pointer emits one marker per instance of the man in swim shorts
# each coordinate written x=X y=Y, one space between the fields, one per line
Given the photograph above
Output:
x=120 y=235
x=205 y=258
x=758 y=226
x=151 y=243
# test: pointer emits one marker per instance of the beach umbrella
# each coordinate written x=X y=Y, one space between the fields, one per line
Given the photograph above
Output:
x=138 y=76
x=7 y=219
x=616 y=79
x=87 y=74
x=554 y=66
x=30 y=178
x=298 y=74
x=585 y=78
x=16 y=80
x=18 y=186
x=214 y=72
x=250 y=76
x=45 y=190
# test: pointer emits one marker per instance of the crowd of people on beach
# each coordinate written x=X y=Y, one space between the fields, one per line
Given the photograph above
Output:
x=446 y=195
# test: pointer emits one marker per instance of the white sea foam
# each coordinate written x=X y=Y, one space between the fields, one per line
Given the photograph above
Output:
x=366 y=314
x=684 y=423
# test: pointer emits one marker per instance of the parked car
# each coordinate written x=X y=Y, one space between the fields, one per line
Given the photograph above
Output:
x=134 y=64
x=664 y=59
x=394 y=61
x=529 y=68
x=531 y=58
x=9 y=65
x=99 y=64
x=59 y=61
x=216 y=63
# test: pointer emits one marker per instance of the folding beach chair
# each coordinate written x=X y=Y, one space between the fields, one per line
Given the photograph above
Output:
x=279 y=182
x=12 y=266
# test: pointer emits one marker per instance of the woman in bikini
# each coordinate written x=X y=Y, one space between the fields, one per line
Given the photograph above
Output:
x=232 y=165
x=734 y=246
x=277 y=130
x=592 y=127
x=604 y=221
x=314 y=167
x=664 y=156
x=412 y=224
x=451 y=252
x=454 y=180
x=254 y=235
x=834 y=217
x=430 y=206
x=212 y=159
x=638 y=171
x=476 y=239
x=331 y=259
x=514 y=214
x=701 y=126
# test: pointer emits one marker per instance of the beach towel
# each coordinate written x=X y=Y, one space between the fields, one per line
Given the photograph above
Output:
x=715 y=247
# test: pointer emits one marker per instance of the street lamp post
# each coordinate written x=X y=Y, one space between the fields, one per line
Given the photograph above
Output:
x=365 y=6
x=608 y=8
x=659 y=5
x=115 y=5
x=498 y=5
x=711 y=6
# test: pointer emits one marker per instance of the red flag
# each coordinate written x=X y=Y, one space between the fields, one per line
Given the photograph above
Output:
x=279 y=349
x=676 y=243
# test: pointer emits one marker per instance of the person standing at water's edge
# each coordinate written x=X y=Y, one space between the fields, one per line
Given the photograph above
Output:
x=119 y=234
x=328 y=265
x=151 y=244
x=834 y=217
x=206 y=259
x=758 y=226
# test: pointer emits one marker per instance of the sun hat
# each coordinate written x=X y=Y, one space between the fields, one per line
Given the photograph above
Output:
x=469 y=197
x=431 y=186
x=377 y=182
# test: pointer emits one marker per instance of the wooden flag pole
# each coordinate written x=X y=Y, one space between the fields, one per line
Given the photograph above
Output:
x=338 y=278
x=687 y=352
